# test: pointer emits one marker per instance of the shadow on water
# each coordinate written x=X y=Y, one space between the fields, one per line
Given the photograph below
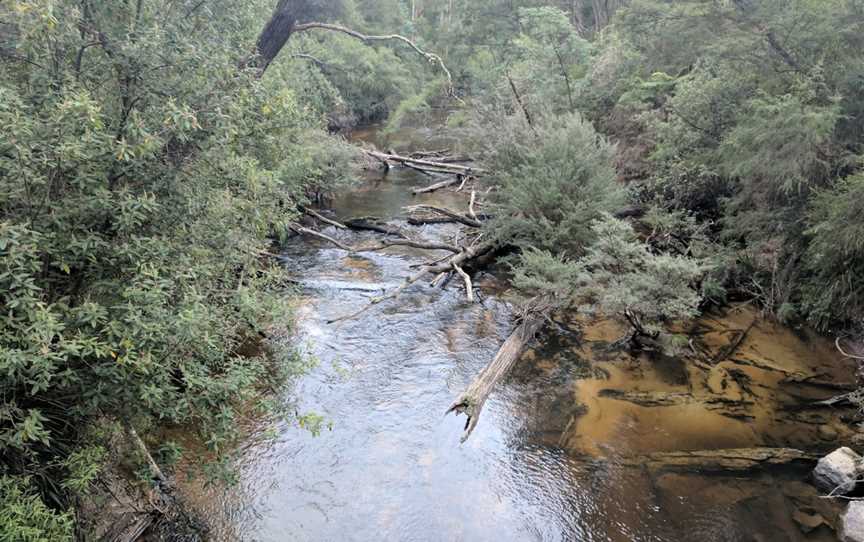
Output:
x=543 y=463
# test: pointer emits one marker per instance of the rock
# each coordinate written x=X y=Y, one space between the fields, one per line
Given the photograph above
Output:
x=826 y=432
x=837 y=472
x=852 y=523
x=807 y=520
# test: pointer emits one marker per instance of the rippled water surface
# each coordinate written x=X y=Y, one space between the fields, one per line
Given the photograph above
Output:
x=541 y=464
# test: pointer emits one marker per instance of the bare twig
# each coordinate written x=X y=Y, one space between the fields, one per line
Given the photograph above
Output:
x=840 y=349
x=469 y=288
x=432 y=58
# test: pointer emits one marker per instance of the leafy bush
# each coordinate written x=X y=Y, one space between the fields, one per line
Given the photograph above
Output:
x=25 y=518
x=141 y=178
x=618 y=276
x=552 y=180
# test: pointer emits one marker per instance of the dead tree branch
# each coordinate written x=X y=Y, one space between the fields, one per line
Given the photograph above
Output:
x=840 y=349
x=471 y=401
x=432 y=58
x=438 y=186
x=453 y=215
x=429 y=165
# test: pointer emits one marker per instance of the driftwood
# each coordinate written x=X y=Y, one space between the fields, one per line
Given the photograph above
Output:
x=452 y=215
x=457 y=260
x=471 y=401
x=428 y=165
x=365 y=224
x=438 y=186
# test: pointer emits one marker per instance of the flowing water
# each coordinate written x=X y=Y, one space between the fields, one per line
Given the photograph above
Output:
x=548 y=460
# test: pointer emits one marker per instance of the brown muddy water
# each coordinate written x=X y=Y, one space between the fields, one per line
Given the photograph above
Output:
x=553 y=456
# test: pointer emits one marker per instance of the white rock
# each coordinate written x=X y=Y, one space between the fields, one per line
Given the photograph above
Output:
x=852 y=523
x=837 y=472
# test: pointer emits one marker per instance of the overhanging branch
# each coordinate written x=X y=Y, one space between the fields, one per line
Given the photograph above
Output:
x=432 y=58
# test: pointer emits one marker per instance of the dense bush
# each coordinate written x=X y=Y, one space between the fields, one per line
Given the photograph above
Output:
x=141 y=177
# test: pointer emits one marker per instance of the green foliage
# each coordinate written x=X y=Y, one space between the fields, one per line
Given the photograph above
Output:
x=553 y=180
x=835 y=255
x=618 y=276
x=781 y=141
x=141 y=178
x=549 y=58
x=25 y=518
x=747 y=111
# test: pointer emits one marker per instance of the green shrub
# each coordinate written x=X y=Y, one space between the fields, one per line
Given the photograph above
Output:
x=25 y=518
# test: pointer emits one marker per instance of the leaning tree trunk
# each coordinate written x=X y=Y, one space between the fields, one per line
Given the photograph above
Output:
x=275 y=34
x=471 y=401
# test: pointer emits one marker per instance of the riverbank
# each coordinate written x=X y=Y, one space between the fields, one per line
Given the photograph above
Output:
x=559 y=453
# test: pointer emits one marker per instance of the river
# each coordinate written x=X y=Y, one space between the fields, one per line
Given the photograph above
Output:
x=548 y=461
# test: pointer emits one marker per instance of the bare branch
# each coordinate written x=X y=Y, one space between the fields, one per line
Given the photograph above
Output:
x=469 y=288
x=840 y=349
x=432 y=58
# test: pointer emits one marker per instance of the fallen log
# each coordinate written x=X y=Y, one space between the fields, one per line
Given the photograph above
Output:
x=306 y=231
x=438 y=186
x=365 y=224
x=318 y=216
x=459 y=259
x=457 y=217
x=429 y=165
x=471 y=401
x=426 y=220
x=410 y=243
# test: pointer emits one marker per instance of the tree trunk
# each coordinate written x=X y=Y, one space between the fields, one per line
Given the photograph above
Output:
x=275 y=35
x=471 y=401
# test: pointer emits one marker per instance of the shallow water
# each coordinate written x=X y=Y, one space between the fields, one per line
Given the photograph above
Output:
x=545 y=461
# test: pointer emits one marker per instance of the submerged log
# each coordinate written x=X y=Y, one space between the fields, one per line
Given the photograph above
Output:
x=727 y=460
x=471 y=401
